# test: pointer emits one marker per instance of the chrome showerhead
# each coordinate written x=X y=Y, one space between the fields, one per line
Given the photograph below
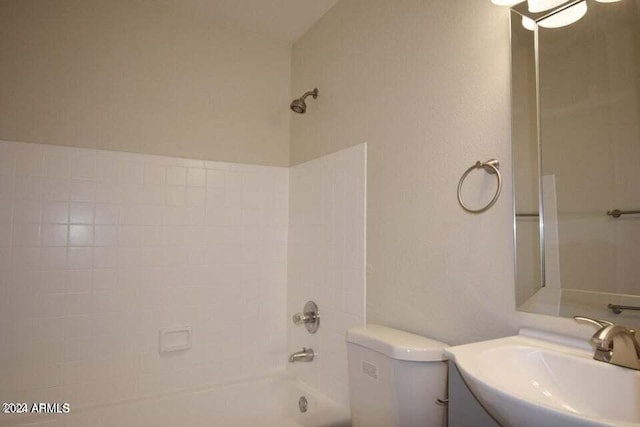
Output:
x=299 y=106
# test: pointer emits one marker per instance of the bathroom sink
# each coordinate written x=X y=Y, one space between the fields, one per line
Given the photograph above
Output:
x=527 y=381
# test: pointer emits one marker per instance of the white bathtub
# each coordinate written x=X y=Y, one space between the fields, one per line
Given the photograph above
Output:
x=263 y=402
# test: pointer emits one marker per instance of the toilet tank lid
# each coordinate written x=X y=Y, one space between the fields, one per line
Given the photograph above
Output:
x=397 y=344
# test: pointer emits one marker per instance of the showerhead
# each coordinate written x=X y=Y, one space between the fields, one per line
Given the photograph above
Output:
x=299 y=106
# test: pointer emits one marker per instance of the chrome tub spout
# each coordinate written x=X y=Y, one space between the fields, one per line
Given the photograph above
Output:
x=306 y=355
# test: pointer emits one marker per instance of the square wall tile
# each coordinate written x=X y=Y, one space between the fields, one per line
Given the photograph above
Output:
x=27 y=211
x=57 y=166
x=55 y=189
x=5 y=259
x=83 y=168
x=6 y=210
x=100 y=250
x=6 y=186
x=154 y=174
x=80 y=258
x=83 y=191
x=81 y=213
x=5 y=235
x=29 y=161
x=55 y=212
x=105 y=257
x=196 y=177
x=29 y=187
x=176 y=175
x=107 y=214
x=53 y=235
x=7 y=162
x=215 y=178
x=81 y=235
x=131 y=172
x=105 y=279
x=107 y=170
x=25 y=258
x=106 y=235
x=53 y=258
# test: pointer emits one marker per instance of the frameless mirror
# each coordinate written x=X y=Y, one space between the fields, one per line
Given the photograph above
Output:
x=576 y=158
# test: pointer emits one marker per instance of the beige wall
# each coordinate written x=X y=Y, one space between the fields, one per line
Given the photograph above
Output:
x=137 y=76
x=426 y=85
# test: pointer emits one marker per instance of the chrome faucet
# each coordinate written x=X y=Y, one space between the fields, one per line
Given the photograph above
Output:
x=614 y=344
x=306 y=355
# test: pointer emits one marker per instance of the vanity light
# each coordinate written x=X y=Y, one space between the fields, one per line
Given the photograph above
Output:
x=561 y=19
x=507 y=2
x=536 y=6
x=528 y=23
x=566 y=17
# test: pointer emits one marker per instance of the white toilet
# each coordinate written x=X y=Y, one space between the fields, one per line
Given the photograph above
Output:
x=395 y=378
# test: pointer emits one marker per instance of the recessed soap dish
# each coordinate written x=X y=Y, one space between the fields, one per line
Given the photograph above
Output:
x=175 y=339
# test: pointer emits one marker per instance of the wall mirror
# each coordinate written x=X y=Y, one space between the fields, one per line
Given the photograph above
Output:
x=576 y=157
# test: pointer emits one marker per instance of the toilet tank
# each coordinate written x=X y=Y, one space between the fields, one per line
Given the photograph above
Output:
x=395 y=378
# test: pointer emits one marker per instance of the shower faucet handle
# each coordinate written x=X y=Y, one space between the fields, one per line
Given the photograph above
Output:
x=310 y=317
x=301 y=318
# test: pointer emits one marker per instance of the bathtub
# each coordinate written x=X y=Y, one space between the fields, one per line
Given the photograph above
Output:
x=263 y=402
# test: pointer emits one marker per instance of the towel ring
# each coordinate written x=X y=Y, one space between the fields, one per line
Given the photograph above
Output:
x=492 y=167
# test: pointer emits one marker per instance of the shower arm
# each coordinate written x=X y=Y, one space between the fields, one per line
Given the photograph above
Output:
x=313 y=93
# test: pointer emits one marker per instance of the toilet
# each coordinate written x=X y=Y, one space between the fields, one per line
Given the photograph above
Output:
x=395 y=378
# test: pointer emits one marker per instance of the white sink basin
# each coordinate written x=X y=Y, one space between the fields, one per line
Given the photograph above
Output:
x=523 y=381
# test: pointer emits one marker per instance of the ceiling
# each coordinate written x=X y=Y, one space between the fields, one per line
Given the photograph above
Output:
x=285 y=20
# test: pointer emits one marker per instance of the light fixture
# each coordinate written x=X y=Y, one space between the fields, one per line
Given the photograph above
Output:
x=536 y=6
x=563 y=18
x=566 y=17
x=506 y=2
x=528 y=23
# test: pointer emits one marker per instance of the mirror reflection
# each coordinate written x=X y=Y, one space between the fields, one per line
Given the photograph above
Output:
x=576 y=148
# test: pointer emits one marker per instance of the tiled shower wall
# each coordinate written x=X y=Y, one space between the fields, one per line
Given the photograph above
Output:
x=100 y=250
x=327 y=262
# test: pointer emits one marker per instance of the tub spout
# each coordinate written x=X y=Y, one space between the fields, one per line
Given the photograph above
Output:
x=306 y=355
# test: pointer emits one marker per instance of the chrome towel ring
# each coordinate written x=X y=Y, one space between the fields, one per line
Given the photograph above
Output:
x=492 y=167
